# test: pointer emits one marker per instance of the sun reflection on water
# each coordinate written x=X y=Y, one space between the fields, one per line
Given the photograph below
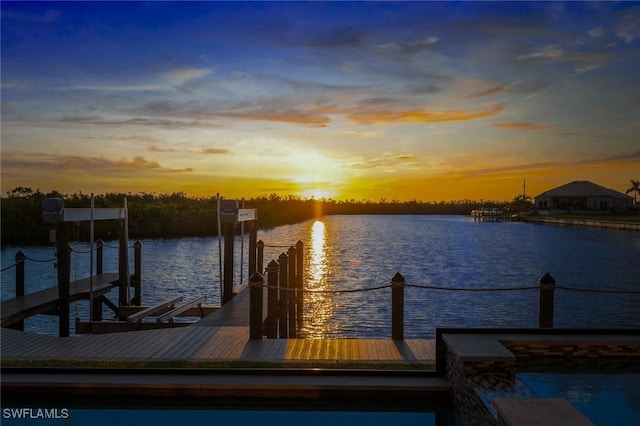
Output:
x=318 y=306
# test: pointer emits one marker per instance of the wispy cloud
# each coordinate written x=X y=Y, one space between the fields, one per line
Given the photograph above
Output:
x=583 y=60
x=386 y=161
x=631 y=159
x=81 y=164
x=373 y=115
x=519 y=125
x=156 y=82
x=154 y=148
x=180 y=76
x=490 y=90
x=407 y=49
x=215 y=151
x=546 y=52
x=291 y=116
x=43 y=17
x=166 y=123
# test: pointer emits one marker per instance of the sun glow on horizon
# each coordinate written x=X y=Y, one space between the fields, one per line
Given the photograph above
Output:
x=316 y=175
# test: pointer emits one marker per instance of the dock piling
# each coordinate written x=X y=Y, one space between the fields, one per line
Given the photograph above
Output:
x=253 y=249
x=283 y=275
x=64 y=277
x=260 y=256
x=99 y=256
x=256 y=282
x=137 y=274
x=545 y=315
x=123 y=265
x=397 y=306
x=20 y=259
x=299 y=282
x=272 y=300
x=292 y=297
x=229 y=236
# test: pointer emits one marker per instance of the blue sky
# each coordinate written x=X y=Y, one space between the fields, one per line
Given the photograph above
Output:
x=425 y=100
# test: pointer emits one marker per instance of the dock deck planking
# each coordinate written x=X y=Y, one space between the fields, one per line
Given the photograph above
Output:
x=236 y=348
x=217 y=337
x=209 y=343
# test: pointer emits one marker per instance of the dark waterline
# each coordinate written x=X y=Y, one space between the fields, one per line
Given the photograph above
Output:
x=354 y=252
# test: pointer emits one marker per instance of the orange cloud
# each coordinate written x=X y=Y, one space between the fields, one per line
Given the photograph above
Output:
x=421 y=116
x=215 y=151
x=519 y=125
x=386 y=160
x=282 y=116
x=157 y=149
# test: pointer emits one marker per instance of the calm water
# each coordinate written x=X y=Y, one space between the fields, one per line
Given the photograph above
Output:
x=354 y=252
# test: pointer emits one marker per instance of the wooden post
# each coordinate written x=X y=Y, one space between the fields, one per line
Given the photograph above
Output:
x=20 y=259
x=283 y=275
x=137 y=274
x=545 y=314
x=272 y=300
x=99 y=256
x=292 y=298
x=397 y=306
x=97 y=301
x=253 y=248
x=260 y=256
x=63 y=254
x=123 y=267
x=300 y=282
x=256 y=281
x=229 y=236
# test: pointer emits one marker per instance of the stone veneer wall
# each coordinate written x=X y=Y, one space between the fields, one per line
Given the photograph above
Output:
x=466 y=399
x=476 y=382
x=588 y=349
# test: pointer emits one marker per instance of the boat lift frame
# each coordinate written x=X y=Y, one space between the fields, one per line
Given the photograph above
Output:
x=54 y=212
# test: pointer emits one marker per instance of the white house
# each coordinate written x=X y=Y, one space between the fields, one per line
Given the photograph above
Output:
x=582 y=195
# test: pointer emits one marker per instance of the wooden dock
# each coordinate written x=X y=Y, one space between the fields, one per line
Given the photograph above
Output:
x=222 y=336
x=223 y=362
x=47 y=301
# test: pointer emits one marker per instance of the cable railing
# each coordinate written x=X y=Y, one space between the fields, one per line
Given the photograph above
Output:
x=428 y=287
x=285 y=297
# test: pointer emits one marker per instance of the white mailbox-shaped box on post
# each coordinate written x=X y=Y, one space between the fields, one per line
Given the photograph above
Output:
x=53 y=210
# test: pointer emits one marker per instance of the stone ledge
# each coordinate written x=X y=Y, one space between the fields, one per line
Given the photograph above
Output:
x=477 y=347
x=539 y=412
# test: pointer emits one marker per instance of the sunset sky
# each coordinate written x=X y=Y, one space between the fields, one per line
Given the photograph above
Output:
x=421 y=100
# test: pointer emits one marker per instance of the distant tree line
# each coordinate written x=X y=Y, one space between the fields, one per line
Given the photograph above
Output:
x=178 y=215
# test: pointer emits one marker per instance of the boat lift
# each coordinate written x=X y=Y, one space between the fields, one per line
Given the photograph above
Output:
x=54 y=212
x=129 y=310
x=229 y=216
